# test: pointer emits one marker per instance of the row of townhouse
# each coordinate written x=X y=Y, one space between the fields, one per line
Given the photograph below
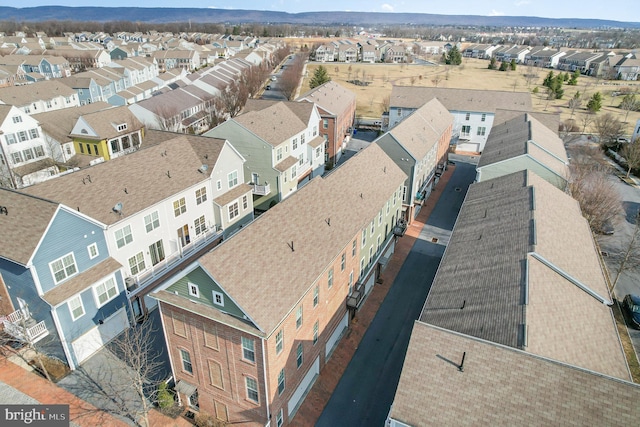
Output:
x=520 y=304
x=81 y=252
x=282 y=145
x=473 y=110
x=250 y=325
x=372 y=51
x=37 y=147
x=40 y=97
x=593 y=63
x=48 y=67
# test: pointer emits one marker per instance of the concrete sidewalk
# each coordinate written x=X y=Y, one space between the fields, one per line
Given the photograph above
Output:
x=316 y=400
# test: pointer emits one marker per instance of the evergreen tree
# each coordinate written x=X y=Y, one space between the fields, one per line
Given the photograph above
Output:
x=320 y=77
x=492 y=64
x=595 y=103
x=512 y=65
x=573 y=81
x=454 y=57
x=503 y=66
x=548 y=81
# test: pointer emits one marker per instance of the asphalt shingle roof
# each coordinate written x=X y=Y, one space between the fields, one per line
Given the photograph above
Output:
x=262 y=280
x=502 y=386
x=169 y=164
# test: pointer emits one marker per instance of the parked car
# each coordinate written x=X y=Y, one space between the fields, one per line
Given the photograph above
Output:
x=268 y=87
x=273 y=78
x=631 y=305
x=622 y=140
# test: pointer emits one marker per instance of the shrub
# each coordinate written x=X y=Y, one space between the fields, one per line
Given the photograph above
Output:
x=205 y=420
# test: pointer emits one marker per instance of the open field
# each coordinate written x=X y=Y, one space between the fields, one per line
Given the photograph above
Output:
x=472 y=74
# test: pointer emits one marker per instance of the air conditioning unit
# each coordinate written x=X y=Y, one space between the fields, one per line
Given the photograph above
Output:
x=130 y=283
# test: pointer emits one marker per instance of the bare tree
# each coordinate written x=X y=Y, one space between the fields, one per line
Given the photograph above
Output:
x=629 y=103
x=437 y=78
x=233 y=98
x=627 y=259
x=135 y=348
x=609 y=128
x=575 y=102
x=291 y=77
x=586 y=120
x=386 y=103
x=167 y=118
x=590 y=185
x=253 y=78
x=631 y=154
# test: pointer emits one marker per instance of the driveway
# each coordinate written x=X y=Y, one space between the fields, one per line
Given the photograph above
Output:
x=365 y=392
x=104 y=379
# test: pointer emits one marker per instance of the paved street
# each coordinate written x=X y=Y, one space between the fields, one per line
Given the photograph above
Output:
x=366 y=390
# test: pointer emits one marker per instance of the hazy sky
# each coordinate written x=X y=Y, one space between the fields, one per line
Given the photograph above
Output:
x=620 y=10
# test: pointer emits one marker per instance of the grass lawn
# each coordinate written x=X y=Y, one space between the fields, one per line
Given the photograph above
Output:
x=472 y=74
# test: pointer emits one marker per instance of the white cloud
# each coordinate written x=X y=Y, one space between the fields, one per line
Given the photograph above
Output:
x=386 y=7
x=522 y=3
x=496 y=13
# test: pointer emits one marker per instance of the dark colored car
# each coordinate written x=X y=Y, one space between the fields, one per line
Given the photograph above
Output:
x=631 y=305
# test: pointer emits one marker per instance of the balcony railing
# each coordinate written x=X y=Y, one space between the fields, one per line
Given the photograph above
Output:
x=138 y=282
x=21 y=327
x=261 y=190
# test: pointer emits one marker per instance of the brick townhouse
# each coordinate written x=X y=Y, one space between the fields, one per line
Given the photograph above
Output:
x=250 y=325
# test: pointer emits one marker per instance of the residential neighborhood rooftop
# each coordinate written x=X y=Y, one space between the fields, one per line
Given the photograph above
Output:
x=307 y=228
x=452 y=378
x=521 y=269
x=460 y=99
x=137 y=180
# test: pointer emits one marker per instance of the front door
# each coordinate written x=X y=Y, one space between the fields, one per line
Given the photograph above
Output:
x=156 y=251
x=183 y=235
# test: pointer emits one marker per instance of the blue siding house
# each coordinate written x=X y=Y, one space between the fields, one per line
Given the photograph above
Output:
x=65 y=292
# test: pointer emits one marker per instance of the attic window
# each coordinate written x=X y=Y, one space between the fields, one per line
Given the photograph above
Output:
x=121 y=127
x=194 y=291
x=84 y=131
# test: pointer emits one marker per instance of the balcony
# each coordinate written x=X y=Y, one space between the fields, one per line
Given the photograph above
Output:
x=260 y=190
x=139 y=283
x=24 y=328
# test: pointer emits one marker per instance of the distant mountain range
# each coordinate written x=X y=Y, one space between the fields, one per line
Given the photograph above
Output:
x=235 y=16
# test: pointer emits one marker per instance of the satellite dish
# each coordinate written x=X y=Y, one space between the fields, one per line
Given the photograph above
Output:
x=117 y=208
x=203 y=168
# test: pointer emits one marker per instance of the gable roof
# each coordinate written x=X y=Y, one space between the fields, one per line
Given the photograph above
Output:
x=27 y=94
x=524 y=135
x=331 y=97
x=422 y=129
x=166 y=164
x=104 y=123
x=460 y=99
x=262 y=281
x=59 y=123
x=23 y=225
x=523 y=266
x=525 y=389
x=275 y=121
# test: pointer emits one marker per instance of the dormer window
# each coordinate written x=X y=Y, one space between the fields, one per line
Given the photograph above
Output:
x=121 y=127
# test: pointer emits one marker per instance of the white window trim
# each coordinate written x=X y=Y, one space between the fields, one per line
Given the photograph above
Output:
x=53 y=275
x=193 y=289
x=218 y=294
x=96 y=295
x=95 y=246
x=79 y=298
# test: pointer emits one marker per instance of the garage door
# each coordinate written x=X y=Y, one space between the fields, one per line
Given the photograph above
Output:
x=336 y=335
x=97 y=337
x=304 y=387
